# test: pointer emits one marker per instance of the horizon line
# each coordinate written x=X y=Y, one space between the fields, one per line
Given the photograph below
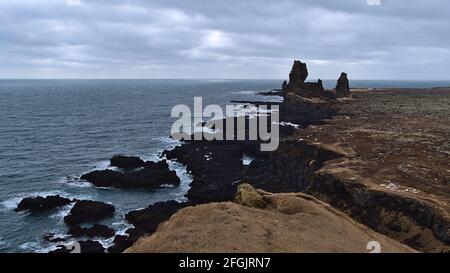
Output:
x=223 y=79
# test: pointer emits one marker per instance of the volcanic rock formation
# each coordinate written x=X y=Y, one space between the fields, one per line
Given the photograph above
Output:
x=135 y=174
x=343 y=87
x=89 y=212
x=42 y=204
x=298 y=86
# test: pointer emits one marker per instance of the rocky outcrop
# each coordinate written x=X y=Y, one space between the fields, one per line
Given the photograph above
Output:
x=308 y=166
x=298 y=86
x=305 y=111
x=122 y=242
x=291 y=222
x=148 y=219
x=150 y=176
x=94 y=231
x=343 y=86
x=42 y=204
x=145 y=222
x=248 y=196
x=127 y=162
x=91 y=247
x=216 y=166
x=298 y=74
x=133 y=162
x=410 y=221
x=89 y=212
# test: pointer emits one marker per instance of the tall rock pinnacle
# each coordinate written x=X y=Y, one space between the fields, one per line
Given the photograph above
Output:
x=343 y=86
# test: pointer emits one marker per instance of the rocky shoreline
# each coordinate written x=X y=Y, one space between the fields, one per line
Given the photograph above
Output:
x=302 y=163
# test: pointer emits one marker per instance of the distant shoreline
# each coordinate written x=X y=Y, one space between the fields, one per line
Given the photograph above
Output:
x=359 y=90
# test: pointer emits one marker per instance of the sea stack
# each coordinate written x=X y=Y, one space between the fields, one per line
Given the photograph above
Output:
x=298 y=86
x=343 y=87
x=298 y=74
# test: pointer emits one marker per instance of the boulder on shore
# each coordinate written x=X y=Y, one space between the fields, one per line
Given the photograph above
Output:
x=89 y=212
x=152 y=175
x=42 y=204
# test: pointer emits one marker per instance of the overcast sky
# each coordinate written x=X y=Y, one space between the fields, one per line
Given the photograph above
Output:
x=399 y=39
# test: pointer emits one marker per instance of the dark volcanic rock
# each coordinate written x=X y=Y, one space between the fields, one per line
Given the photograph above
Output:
x=298 y=86
x=89 y=212
x=127 y=162
x=94 y=231
x=148 y=219
x=298 y=74
x=133 y=162
x=343 y=86
x=122 y=242
x=91 y=247
x=145 y=222
x=42 y=204
x=151 y=176
x=215 y=166
x=303 y=111
x=288 y=169
x=161 y=165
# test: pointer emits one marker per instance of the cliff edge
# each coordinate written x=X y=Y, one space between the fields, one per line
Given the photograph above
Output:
x=259 y=221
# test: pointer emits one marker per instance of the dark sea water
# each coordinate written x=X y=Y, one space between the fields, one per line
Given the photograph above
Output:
x=53 y=131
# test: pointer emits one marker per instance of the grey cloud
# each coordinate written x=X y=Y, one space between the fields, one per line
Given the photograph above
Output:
x=229 y=39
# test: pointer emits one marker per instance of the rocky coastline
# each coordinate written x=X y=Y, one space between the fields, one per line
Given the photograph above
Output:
x=304 y=166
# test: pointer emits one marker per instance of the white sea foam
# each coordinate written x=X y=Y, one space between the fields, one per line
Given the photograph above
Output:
x=168 y=142
x=274 y=99
x=245 y=92
x=36 y=247
x=80 y=184
x=246 y=159
x=11 y=203
x=283 y=123
x=74 y=181
x=102 y=165
x=62 y=212
x=178 y=193
x=121 y=227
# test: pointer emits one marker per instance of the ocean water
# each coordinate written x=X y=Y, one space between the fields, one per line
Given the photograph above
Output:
x=53 y=131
